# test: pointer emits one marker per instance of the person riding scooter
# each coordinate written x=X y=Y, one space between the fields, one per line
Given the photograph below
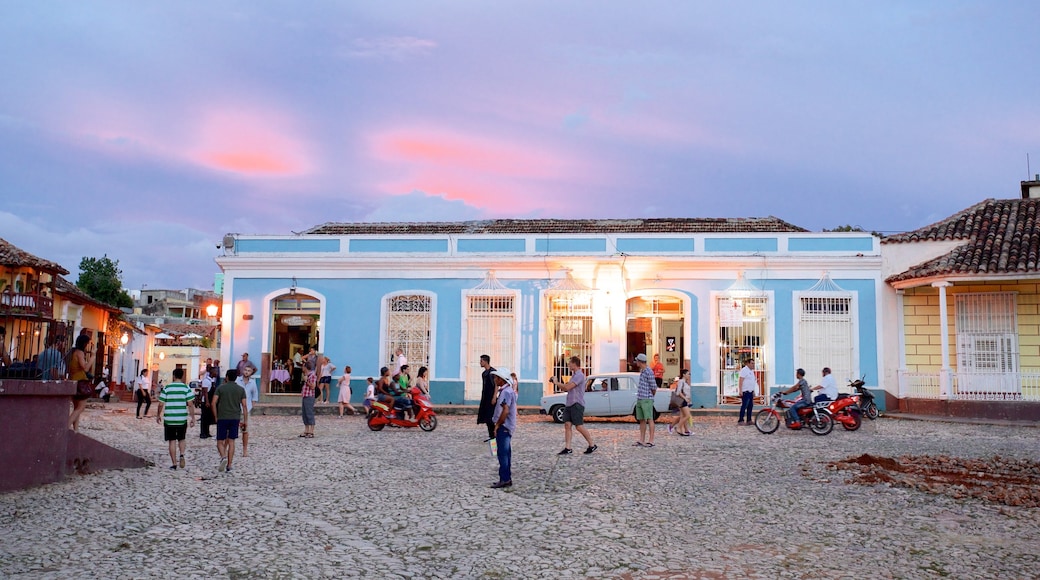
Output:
x=828 y=387
x=803 y=385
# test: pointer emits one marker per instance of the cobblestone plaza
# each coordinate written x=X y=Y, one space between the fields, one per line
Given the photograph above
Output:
x=728 y=502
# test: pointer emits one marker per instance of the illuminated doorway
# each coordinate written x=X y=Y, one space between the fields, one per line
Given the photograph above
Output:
x=654 y=326
x=295 y=327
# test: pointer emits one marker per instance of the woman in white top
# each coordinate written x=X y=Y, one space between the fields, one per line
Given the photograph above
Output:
x=343 y=384
x=685 y=421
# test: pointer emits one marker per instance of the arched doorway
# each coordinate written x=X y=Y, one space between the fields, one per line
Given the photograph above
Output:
x=295 y=326
x=654 y=326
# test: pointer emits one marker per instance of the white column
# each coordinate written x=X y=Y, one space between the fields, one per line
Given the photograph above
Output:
x=901 y=331
x=944 y=341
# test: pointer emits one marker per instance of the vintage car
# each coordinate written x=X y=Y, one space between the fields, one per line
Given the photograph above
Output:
x=607 y=395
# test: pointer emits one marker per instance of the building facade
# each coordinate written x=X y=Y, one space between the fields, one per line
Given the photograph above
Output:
x=702 y=294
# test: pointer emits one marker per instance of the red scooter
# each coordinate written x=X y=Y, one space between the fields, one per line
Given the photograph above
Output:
x=846 y=411
x=383 y=414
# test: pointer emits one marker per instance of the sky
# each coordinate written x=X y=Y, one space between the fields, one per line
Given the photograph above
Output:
x=145 y=131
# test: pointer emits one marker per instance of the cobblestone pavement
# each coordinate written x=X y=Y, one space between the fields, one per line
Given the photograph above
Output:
x=728 y=502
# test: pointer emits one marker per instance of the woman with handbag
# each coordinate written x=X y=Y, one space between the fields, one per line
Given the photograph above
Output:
x=78 y=363
x=681 y=400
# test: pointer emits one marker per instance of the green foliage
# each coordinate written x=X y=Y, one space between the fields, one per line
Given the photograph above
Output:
x=102 y=280
x=852 y=228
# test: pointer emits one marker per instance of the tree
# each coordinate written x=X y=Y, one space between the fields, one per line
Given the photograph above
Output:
x=851 y=228
x=102 y=280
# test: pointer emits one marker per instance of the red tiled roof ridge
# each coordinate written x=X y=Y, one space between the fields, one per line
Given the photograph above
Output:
x=12 y=255
x=520 y=226
x=1002 y=237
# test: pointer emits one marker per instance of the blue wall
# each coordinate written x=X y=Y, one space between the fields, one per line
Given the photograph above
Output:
x=288 y=245
x=740 y=244
x=655 y=245
x=492 y=245
x=570 y=245
x=836 y=244
x=398 y=245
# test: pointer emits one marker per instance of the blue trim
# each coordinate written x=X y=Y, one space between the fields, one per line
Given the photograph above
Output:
x=704 y=397
x=842 y=244
x=740 y=244
x=398 y=245
x=492 y=245
x=287 y=245
x=570 y=245
x=655 y=244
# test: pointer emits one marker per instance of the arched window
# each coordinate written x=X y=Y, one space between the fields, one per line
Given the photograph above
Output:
x=408 y=323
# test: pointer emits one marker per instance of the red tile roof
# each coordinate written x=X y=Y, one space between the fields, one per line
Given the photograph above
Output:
x=1002 y=237
x=12 y=255
x=564 y=226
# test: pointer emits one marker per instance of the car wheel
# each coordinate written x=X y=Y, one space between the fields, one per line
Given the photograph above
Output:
x=556 y=412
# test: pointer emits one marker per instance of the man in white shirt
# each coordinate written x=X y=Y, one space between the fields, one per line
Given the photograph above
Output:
x=828 y=387
x=399 y=361
x=748 y=388
x=245 y=380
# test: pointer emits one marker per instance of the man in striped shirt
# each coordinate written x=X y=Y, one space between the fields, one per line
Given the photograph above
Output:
x=178 y=402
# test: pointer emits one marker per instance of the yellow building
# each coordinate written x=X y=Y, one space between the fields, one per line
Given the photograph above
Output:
x=966 y=300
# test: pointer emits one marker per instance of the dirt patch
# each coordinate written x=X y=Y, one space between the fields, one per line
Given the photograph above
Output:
x=1014 y=482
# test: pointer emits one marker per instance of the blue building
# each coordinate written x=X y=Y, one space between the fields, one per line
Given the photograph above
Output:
x=702 y=294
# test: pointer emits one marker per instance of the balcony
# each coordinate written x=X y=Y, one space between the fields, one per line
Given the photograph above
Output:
x=18 y=304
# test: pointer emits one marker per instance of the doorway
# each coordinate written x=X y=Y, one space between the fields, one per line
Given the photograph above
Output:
x=743 y=333
x=295 y=327
x=654 y=326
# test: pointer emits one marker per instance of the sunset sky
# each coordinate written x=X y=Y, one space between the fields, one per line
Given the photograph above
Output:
x=147 y=130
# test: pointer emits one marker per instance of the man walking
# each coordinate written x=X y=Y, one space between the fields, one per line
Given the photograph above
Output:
x=486 y=410
x=574 y=411
x=645 y=391
x=748 y=386
x=229 y=405
x=178 y=402
x=505 y=425
x=245 y=380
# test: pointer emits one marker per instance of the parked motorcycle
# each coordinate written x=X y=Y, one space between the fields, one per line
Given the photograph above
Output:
x=866 y=399
x=382 y=415
x=816 y=416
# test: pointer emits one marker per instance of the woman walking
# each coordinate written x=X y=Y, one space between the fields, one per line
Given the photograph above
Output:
x=343 y=384
x=143 y=393
x=307 y=399
x=79 y=362
x=685 y=421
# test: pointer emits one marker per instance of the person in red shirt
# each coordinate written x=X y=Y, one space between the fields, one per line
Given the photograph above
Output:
x=658 y=369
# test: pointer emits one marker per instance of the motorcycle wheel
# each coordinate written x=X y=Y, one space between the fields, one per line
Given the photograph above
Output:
x=374 y=424
x=872 y=411
x=821 y=424
x=851 y=421
x=428 y=423
x=766 y=421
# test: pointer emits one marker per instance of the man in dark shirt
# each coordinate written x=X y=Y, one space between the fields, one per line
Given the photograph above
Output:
x=487 y=394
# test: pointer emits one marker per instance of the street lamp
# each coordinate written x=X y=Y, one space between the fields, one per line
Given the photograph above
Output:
x=211 y=310
x=122 y=355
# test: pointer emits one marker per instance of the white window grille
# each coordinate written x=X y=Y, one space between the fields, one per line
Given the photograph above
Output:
x=987 y=342
x=825 y=331
x=569 y=326
x=490 y=330
x=743 y=334
x=409 y=327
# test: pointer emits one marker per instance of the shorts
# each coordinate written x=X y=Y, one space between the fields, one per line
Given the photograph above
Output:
x=684 y=404
x=367 y=403
x=645 y=409
x=175 y=432
x=227 y=429
x=325 y=381
x=574 y=414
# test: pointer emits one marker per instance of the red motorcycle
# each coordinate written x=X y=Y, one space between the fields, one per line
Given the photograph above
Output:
x=816 y=416
x=424 y=418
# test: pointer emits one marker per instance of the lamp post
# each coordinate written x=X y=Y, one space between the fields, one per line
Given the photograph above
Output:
x=122 y=356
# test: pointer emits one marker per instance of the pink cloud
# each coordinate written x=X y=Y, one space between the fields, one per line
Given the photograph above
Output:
x=249 y=143
x=507 y=175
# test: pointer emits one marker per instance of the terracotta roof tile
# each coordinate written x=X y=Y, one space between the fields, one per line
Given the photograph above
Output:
x=563 y=226
x=1003 y=237
x=12 y=255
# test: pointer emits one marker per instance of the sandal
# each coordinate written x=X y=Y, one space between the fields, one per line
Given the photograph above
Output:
x=637 y=444
x=310 y=435
x=302 y=435
x=648 y=444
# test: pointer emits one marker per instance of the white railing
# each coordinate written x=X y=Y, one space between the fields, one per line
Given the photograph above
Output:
x=919 y=385
x=965 y=386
